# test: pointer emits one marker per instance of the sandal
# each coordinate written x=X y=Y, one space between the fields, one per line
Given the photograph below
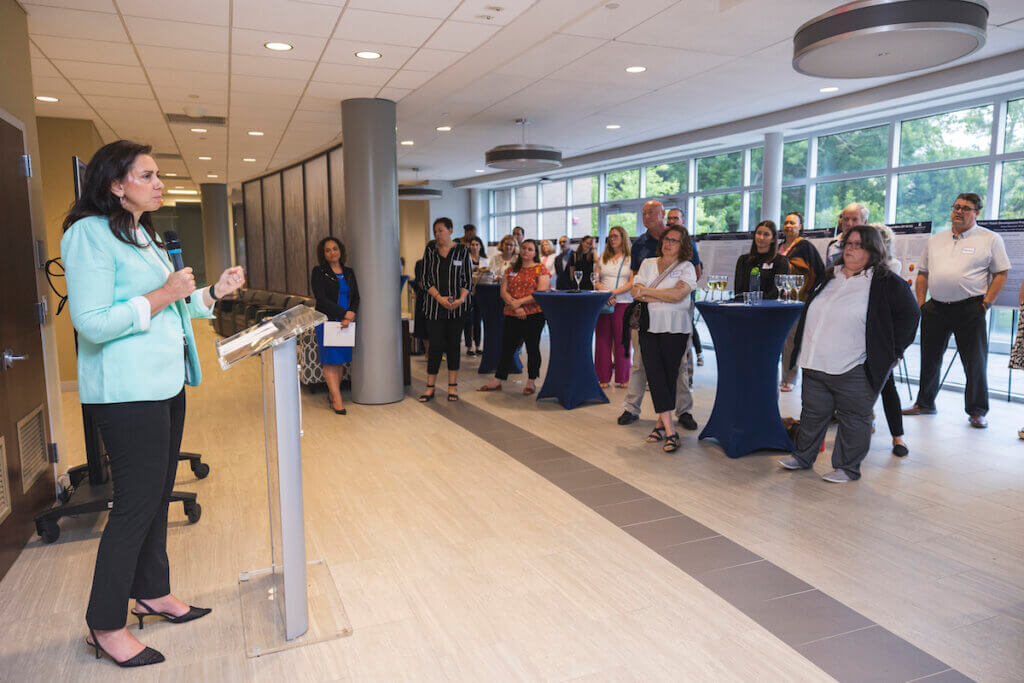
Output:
x=487 y=387
x=656 y=435
x=452 y=397
x=527 y=390
x=1020 y=434
x=425 y=397
x=671 y=443
x=786 y=386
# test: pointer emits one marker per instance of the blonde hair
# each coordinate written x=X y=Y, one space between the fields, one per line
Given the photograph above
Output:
x=608 y=254
x=507 y=238
x=887 y=235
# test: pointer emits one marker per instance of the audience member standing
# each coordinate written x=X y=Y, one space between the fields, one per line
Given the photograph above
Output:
x=547 y=255
x=563 y=280
x=474 y=316
x=419 y=326
x=851 y=334
x=469 y=234
x=645 y=247
x=582 y=262
x=524 y=320
x=890 y=395
x=447 y=273
x=764 y=256
x=337 y=296
x=804 y=260
x=674 y=217
x=964 y=268
x=1017 y=352
x=518 y=234
x=853 y=214
x=505 y=257
x=616 y=277
x=663 y=286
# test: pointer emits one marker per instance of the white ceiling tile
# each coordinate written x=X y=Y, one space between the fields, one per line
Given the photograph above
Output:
x=489 y=89
x=550 y=55
x=177 y=34
x=249 y=42
x=43 y=67
x=410 y=80
x=392 y=29
x=461 y=36
x=433 y=60
x=86 y=50
x=51 y=85
x=68 y=100
x=85 y=5
x=602 y=22
x=70 y=112
x=266 y=86
x=213 y=12
x=247 y=65
x=318 y=117
x=188 y=79
x=101 y=72
x=58 y=21
x=177 y=58
x=340 y=91
x=133 y=90
x=319 y=104
x=434 y=8
x=284 y=103
x=124 y=105
x=344 y=52
x=478 y=11
x=355 y=75
x=289 y=17
x=665 y=66
x=213 y=99
x=393 y=94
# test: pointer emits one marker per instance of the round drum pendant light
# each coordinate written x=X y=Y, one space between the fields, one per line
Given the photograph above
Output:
x=872 y=38
x=523 y=157
x=407 y=192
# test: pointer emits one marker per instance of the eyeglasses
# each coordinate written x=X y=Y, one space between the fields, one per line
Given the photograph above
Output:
x=853 y=246
x=963 y=208
x=671 y=240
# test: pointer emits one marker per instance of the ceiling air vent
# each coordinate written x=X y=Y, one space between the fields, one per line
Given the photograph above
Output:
x=166 y=155
x=193 y=120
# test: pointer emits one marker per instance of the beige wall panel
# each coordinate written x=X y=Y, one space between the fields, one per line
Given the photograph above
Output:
x=273 y=233
x=253 y=201
x=336 y=163
x=318 y=214
x=295 y=231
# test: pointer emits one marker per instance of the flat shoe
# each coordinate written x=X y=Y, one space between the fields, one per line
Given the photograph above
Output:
x=487 y=387
x=528 y=390
x=786 y=387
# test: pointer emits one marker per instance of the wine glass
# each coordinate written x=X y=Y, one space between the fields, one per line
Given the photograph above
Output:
x=594 y=277
x=578 y=276
x=798 y=283
x=780 y=285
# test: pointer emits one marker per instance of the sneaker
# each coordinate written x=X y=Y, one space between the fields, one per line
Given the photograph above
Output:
x=686 y=421
x=792 y=463
x=979 y=422
x=627 y=418
x=700 y=359
x=837 y=477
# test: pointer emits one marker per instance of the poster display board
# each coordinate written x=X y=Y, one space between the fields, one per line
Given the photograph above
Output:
x=719 y=252
x=820 y=240
x=1012 y=232
x=908 y=246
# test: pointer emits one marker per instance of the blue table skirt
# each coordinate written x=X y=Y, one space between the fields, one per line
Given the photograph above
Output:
x=492 y=310
x=748 y=343
x=571 y=318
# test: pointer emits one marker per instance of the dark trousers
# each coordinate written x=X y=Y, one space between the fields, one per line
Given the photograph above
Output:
x=965 y=320
x=662 y=354
x=143 y=439
x=849 y=396
x=474 y=324
x=514 y=332
x=445 y=337
x=892 y=407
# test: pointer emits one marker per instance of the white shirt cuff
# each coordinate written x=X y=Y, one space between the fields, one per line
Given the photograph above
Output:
x=142 y=311
x=202 y=299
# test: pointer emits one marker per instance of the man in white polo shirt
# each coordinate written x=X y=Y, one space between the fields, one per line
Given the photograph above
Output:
x=965 y=269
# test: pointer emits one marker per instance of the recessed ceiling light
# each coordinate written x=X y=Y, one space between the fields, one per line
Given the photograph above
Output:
x=636 y=69
x=171 y=175
x=256 y=132
x=211 y=175
x=198 y=130
x=47 y=98
x=182 y=191
x=830 y=88
x=277 y=47
x=367 y=54
x=480 y=170
x=407 y=143
x=205 y=158
x=613 y=126
x=248 y=159
x=443 y=129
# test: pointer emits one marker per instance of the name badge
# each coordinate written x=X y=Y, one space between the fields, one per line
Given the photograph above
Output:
x=676 y=273
x=967 y=250
x=768 y=266
x=457 y=262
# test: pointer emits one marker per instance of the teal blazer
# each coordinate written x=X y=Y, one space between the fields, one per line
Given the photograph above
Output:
x=118 y=361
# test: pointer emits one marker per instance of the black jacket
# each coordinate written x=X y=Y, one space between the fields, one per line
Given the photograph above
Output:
x=325 y=288
x=891 y=324
x=563 y=280
x=744 y=264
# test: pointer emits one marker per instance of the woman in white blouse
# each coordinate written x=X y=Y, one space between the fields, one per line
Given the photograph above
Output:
x=615 y=277
x=547 y=252
x=505 y=257
x=663 y=285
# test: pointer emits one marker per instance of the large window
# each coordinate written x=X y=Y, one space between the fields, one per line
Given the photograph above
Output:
x=1011 y=196
x=793 y=199
x=526 y=197
x=853 y=151
x=718 y=213
x=955 y=135
x=1014 y=139
x=584 y=221
x=794 y=160
x=502 y=201
x=724 y=170
x=666 y=179
x=623 y=184
x=586 y=190
x=832 y=197
x=528 y=222
x=553 y=194
x=928 y=195
x=626 y=219
x=554 y=224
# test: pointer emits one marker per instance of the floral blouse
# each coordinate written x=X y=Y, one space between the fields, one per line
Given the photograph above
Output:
x=523 y=283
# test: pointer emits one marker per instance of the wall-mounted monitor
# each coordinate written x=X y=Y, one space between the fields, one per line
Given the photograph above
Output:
x=78 y=167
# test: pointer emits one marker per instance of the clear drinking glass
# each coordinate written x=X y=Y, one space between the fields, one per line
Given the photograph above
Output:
x=578 y=276
x=780 y=285
x=798 y=283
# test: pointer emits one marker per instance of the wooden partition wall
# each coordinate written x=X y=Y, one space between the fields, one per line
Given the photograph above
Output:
x=286 y=214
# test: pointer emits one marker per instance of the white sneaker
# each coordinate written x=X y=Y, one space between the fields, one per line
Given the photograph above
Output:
x=837 y=477
x=791 y=463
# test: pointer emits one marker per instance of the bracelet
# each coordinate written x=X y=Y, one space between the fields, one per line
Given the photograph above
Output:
x=212 y=295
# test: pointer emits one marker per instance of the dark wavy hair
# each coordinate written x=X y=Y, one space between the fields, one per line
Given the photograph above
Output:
x=320 y=251
x=685 y=243
x=517 y=266
x=111 y=162
x=871 y=241
x=773 y=248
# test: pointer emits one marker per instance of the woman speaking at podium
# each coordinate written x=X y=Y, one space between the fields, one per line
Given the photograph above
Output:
x=136 y=353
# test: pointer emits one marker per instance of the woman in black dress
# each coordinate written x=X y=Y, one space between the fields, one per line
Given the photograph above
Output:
x=447 y=280
x=474 y=316
x=765 y=258
x=582 y=261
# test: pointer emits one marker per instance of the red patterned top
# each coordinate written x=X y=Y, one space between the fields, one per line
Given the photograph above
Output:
x=522 y=284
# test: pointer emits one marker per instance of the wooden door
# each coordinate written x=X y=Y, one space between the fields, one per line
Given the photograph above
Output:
x=26 y=478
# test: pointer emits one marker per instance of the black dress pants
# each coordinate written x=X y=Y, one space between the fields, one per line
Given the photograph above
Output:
x=474 y=324
x=965 y=320
x=662 y=354
x=445 y=337
x=142 y=439
x=892 y=406
x=515 y=332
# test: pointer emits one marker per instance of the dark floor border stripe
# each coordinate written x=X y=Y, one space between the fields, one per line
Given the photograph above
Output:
x=842 y=642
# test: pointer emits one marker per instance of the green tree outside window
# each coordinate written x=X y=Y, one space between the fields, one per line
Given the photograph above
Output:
x=927 y=195
x=853 y=151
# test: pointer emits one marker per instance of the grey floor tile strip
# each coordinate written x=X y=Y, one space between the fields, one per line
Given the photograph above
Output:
x=842 y=642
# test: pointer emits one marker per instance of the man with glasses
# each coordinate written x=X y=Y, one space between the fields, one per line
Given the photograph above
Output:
x=853 y=214
x=645 y=247
x=965 y=269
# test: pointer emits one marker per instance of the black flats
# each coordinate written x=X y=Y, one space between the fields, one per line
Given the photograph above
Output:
x=145 y=658
x=192 y=614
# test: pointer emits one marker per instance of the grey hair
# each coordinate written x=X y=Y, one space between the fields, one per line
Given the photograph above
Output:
x=865 y=212
x=887 y=237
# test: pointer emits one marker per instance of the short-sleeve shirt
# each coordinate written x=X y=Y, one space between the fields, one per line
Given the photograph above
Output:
x=961 y=267
x=646 y=246
x=523 y=283
x=665 y=317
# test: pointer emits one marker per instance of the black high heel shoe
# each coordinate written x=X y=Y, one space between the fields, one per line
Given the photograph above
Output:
x=192 y=614
x=145 y=658
x=452 y=397
x=425 y=397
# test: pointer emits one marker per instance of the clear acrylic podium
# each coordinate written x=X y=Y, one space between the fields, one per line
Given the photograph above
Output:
x=276 y=608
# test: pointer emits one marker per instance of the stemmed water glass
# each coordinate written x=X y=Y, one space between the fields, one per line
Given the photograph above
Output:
x=578 y=276
x=798 y=283
x=780 y=285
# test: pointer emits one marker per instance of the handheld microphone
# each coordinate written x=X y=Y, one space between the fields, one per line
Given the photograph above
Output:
x=173 y=245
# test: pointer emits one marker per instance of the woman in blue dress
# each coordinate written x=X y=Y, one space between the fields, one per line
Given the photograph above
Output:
x=337 y=296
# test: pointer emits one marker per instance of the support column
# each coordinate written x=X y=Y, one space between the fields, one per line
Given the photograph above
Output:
x=478 y=213
x=771 y=197
x=216 y=229
x=371 y=214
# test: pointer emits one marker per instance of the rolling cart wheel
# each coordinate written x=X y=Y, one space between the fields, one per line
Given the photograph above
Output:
x=48 y=531
x=200 y=469
x=193 y=511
